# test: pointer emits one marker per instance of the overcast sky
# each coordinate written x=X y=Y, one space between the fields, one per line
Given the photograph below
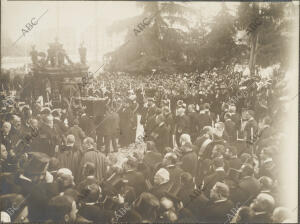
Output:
x=75 y=14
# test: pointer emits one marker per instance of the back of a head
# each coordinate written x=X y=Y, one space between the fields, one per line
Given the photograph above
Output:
x=89 y=141
x=267 y=202
x=171 y=156
x=266 y=182
x=147 y=205
x=222 y=189
x=59 y=206
x=218 y=162
x=267 y=120
x=185 y=138
x=280 y=214
x=244 y=214
x=247 y=169
x=89 y=169
x=206 y=106
x=220 y=125
x=206 y=130
x=186 y=178
x=251 y=113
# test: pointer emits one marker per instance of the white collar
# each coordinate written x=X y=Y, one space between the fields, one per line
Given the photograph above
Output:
x=25 y=178
x=260 y=213
x=221 y=200
x=219 y=169
x=268 y=160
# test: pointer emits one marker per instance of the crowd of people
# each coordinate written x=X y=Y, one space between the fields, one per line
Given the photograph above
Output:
x=208 y=158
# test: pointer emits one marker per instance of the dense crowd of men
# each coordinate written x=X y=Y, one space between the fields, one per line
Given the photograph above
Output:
x=212 y=154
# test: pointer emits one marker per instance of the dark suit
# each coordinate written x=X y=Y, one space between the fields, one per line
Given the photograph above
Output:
x=110 y=130
x=175 y=173
x=183 y=125
x=236 y=119
x=194 y=128
x=211 y=180
x=268 y=169
x=189 y=163
x=47 y=140
x=6 y=140
x=87 y=125
x=60 y=127
x=234 y=163
x=230 y=129
x=151 y=159
x=217 y=212
x=203 y=120
x=161 y=136
x=125 y=116
x=250 y=187
x=95 y=213
x=78 y=134
x=160 y=190
x=135 y=179
x=261 y=218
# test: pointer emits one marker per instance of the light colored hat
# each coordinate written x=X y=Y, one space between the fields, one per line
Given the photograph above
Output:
x=163 y=175
x=64 y=171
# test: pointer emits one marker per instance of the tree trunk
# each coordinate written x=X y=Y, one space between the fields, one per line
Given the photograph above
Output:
x=254 y=45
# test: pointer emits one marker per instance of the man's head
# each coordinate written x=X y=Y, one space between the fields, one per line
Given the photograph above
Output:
x=56 y=113
x=207 y=131
x=65 y=178
x=232 y=109
x=191 y=108
x=185 y=138
x=218 y=162
x=130 y=164
x=249 y=114
x=267 y=121
x=88 y=143
x=219 y=129
x=169 y=159
x=220 y=191
x=16 y=122
x=180 y=112
x=280 y=214
x=34 y=123
x=206 y=106
x=3 y=152
x=263 y=203
x=70 y=140
x=49 y=121
x=62 y=209
x=159 y=119
x=6 y=127
x=266 y=183
x=186 y=178
x=231 y=151
x=247 y=170
x=266 y=153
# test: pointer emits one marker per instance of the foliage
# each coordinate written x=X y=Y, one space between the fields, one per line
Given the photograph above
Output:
x=173 y=43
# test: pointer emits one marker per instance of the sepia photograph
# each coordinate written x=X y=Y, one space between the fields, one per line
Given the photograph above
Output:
x=149 y=111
